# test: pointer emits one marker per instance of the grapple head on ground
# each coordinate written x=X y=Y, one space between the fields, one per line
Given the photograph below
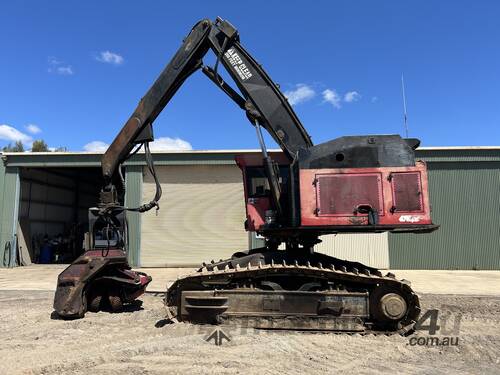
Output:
x=98 y=279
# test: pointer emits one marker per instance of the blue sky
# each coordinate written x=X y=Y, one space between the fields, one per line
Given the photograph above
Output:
x=72 y=72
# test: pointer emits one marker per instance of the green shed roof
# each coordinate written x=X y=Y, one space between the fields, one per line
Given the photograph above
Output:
x=214 y=157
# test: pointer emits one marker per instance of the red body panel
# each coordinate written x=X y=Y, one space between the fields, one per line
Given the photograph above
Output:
x=256 y=210
x=330 y=197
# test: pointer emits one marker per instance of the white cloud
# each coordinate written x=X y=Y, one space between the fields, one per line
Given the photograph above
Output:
x=65 y=70
x=96 y=146
x=110 y=58
x=33 y=129
x=167 y=143
x=59 y=67
x=302 y=93
x=331 y=96
x=160 y=144
x=54 y=61
x=11 y=134
x=351 y=96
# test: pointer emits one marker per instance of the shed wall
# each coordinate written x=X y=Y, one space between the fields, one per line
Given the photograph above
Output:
x=371 y=249
x=133 y=198
x=201 y=216
x=10 y=187
x=464 y=189
x=465 y=199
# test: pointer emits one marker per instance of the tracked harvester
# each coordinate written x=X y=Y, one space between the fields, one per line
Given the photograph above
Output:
x=353 y=184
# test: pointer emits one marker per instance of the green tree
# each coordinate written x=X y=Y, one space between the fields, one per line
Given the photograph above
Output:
x=39 y=146
x=18 y=147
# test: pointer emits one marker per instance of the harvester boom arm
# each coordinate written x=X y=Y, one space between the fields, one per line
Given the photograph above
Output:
x=262 y=99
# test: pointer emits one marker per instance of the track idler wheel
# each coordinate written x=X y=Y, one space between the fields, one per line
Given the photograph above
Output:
x=388 y=307
x=393 y=306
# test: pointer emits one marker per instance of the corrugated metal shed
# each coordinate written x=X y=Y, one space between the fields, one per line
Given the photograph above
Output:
x=465 y=198
x=464 y=187
x=371 y=249
x=9 y=193
x=201 y=216
x=367 y=248
x=89 y=159
x=133 y=194
x=12 y=163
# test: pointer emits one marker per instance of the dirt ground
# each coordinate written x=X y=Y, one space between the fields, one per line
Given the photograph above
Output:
x=138 y=342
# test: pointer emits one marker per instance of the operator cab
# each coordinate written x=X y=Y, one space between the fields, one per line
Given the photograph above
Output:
x=258 y=198
x=257 y=184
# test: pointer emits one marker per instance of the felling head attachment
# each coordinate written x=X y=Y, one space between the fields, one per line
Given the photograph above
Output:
x=107 y=229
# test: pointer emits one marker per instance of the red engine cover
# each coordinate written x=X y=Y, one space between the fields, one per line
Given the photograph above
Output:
x=335 y=197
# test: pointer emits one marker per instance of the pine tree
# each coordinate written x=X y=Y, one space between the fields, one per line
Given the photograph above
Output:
x=18 y=147
x=39 y=146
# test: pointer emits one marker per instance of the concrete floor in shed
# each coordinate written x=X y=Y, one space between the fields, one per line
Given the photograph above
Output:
x=479 y=283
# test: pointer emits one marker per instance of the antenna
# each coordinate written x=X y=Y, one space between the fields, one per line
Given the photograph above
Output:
x=405 y=115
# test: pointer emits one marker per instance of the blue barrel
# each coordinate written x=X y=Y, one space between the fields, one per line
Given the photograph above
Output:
x=46 y=253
